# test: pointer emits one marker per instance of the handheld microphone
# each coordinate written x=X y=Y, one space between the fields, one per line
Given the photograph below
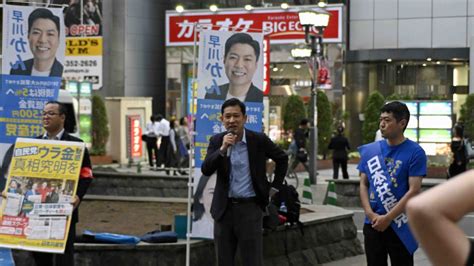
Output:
x=229 y=149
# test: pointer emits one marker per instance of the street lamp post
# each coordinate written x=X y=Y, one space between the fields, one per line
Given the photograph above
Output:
x=319 y=19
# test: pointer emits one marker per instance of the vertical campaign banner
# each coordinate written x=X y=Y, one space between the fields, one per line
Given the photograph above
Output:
x=33 y=41
x=22 y=103
x=41 y=184
x=230 y=66
x=33 y=52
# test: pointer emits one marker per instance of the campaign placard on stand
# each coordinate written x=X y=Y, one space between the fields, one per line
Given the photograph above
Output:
x=230 y=66
x=41 y=185
x=32 y=67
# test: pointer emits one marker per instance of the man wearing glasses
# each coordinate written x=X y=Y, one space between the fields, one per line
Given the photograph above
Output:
x=54 y=116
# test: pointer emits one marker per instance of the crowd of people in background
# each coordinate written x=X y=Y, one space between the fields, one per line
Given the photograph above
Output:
x=167 y=144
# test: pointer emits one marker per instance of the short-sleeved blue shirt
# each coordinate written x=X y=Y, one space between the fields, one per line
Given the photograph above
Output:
x=403 y=160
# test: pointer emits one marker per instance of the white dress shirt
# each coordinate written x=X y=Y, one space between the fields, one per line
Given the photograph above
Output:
x=162 y=128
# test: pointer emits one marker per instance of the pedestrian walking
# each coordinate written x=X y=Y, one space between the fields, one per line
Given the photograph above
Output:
x=434 y=217
x=458 y=151
x=174 y=155
x=340 y=145
x=151 y=142
x=242 y=190
x=183 y=133
x=162 y=130
x=299 y=152
x=391 y=172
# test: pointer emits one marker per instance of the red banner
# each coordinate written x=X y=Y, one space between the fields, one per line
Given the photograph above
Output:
x=266 y=66
x=281 y=25
x=135 y=136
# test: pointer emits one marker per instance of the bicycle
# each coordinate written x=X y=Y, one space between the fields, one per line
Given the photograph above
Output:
x=290 y=173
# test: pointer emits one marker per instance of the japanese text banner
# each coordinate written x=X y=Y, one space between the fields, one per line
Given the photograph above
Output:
x=282 y=26
x=41 y=185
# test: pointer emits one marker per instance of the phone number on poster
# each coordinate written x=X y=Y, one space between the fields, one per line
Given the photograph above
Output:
x=81 y=63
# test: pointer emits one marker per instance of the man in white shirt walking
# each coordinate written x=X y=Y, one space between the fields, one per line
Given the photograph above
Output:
x=162 y=129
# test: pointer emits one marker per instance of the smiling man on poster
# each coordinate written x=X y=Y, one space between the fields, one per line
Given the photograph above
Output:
x=240 y=64
x=44 y=39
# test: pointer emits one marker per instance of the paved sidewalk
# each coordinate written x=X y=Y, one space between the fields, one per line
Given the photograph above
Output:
x=319 y=191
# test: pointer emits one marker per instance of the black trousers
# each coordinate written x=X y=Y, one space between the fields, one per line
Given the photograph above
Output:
x=335 y=167
x=240 y=226
x=162 y=151
x=66 y=259
x=152 y=149
x=380 y=244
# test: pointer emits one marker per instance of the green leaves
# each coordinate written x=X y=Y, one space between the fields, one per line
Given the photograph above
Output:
x=100 y=126
x=371 y=117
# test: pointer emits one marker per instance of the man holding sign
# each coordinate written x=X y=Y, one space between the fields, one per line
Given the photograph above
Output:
x=54 y=116
x=391 y=172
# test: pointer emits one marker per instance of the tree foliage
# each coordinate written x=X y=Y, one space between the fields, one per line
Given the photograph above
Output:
x=324 y=122
x=100 y=126
x=371 y=117
x=293 y=112
x=467 y=116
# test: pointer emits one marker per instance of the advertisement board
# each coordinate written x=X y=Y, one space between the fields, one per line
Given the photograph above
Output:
x=282 y=26
x=84 y=60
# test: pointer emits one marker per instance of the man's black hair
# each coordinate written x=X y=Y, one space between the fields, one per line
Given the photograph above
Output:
x=304 y=122
x=61 y=107
x=243 y=38
x=158 y=117
x=233 y=102
x=399 y=111
x=44 y=14
x=458 y=131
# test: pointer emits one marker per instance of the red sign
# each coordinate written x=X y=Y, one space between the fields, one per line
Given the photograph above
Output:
x=266 y=66
x=135 y=136
x=282 y=26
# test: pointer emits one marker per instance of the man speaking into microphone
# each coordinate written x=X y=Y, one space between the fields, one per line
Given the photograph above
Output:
x=242 y=190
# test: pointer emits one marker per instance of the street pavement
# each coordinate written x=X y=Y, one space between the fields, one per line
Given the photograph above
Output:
x=319 y=192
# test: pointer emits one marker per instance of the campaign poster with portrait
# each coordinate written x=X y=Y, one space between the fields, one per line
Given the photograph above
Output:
x=230 y=66
x=33 y=41
x=41 y=184
x=202 y=222
x=32 y=67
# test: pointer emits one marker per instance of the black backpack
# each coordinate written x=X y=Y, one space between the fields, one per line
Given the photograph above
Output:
x=290 y=197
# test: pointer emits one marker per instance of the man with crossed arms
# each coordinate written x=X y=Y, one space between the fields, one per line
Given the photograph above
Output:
x=391 y=172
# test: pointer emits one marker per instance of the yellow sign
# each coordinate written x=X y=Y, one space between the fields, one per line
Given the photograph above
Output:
x=41 y=184
x=84 y=46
